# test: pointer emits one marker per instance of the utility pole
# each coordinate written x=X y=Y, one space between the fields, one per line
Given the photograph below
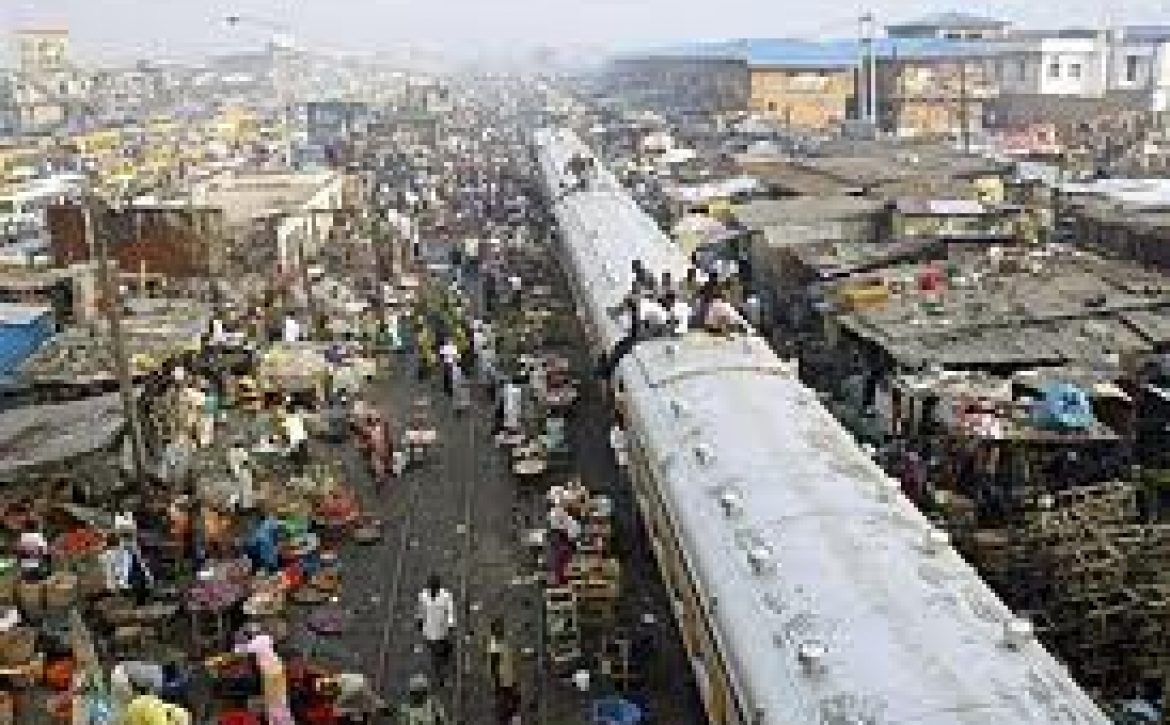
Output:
x=306 y=283
x=97 y=241
x=378 y=239
x=862 y=86
x=964 y=118
x=871 y=97
x=867 y=70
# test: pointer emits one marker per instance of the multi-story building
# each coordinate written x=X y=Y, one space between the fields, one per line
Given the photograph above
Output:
x=1067 y=63
x=802 y=84
x=697 y=80
x=925 y=86
x=947 y=74
x=8 y=114
x=806 y=97
x=1080 y=76
x=933 y=87
x=42 y=51
x=950 y=26
x=48 y=91
x=1138 y=64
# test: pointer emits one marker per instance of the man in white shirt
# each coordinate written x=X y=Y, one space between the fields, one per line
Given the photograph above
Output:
x=239 y=461
x=436 y=616
x=478 y=337
x=449 y=354
x=560 y=520
x=32 y=549
x=298 y=438
x=292 y=329
x=515 y=284
x=218 y=333
x=511 y=405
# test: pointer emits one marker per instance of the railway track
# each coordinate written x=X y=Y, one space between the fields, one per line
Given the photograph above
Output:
x=464 y=649
x=426 y=534
x=393 y=589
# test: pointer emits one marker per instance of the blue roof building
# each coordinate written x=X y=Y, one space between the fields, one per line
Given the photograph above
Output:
x=822 y=54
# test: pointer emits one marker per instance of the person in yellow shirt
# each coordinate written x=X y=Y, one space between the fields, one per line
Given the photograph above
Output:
x=149 y=709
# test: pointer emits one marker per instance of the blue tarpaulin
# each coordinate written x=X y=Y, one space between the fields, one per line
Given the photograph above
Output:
x=23 y=329
x=1063 y=405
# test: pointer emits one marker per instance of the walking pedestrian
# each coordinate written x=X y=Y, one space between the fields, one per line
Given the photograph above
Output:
x=511 y=405
x=449 y=355
x=502 y=665
x=421 y=707
x=436 y=614
x=298 y=437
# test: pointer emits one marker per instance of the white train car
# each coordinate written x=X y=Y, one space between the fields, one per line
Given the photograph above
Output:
x=807 y=588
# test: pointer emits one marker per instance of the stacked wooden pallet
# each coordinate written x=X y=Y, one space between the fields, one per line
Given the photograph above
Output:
x=596 y=582
x=562 y=628
x=1099 y=579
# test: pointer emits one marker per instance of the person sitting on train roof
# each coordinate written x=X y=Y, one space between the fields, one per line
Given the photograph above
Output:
x=652 y=316
x=721 y=317
x=679 y=313
x=665 y=287
x=642 y=276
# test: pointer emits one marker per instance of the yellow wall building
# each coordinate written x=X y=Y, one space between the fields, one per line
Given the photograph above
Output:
x=98 y=143
x=802 y=98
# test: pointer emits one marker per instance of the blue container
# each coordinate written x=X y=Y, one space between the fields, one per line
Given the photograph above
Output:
x=616 y=711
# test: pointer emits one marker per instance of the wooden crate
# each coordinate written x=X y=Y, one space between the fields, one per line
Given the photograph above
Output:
x=591 y=567
x=562 y=627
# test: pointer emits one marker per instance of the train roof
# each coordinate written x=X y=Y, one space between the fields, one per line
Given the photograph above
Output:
x=605 y=232
x=832 y=598
x=805 y=548
x=604 y=229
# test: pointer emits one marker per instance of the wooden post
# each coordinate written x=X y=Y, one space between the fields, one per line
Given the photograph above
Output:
x=113 y=308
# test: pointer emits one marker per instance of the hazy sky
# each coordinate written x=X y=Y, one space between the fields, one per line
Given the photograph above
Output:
x=146 y=28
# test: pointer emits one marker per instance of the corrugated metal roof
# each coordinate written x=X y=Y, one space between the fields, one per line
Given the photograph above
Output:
x=12 y=313
x=1146 y=33
x=44 y=434
x=827 y=54
x=951 y=20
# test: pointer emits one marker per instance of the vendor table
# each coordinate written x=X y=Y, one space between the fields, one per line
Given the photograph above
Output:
x=419 y=442
x=511 y=440
x=529 y=470
x=209 y=600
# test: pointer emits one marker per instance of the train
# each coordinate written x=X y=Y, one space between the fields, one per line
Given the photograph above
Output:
x=807 y=588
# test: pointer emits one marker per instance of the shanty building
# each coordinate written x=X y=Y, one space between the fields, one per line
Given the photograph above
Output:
x=1126 y=218
x=925 y=86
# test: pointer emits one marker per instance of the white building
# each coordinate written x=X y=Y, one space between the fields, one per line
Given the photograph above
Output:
x=1128 y=63
x=1139 y=62
x=1065 y=64
x=42 y=51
